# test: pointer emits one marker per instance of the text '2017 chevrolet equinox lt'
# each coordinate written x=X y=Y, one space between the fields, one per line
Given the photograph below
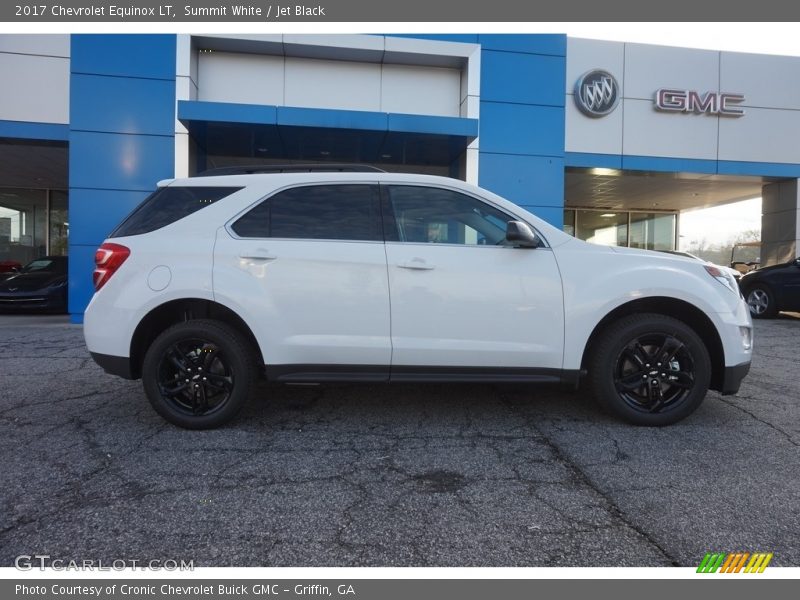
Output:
x=356 y=275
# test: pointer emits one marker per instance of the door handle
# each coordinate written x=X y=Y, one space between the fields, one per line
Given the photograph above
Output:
x=258 y=254
x=416 y=263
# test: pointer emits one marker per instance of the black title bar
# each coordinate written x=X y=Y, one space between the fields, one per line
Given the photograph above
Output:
x=338 y=11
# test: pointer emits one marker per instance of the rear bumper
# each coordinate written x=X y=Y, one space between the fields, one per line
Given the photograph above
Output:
x=114 y=365
x=733 y=377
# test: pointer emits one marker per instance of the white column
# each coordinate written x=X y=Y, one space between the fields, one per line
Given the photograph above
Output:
x=780 y=222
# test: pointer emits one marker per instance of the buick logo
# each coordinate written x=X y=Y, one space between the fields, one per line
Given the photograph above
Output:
x=596 y=93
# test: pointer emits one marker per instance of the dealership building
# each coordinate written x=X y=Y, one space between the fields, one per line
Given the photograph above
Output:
x=609 y=140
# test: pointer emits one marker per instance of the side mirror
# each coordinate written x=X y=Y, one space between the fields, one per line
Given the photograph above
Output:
x=521 y=235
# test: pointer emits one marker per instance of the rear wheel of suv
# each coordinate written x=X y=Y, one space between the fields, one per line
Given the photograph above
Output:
x=198 y=374
x=649 y=369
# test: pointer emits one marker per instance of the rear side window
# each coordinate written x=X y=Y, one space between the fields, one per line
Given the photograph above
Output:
x=167 y=205
x=322 y=212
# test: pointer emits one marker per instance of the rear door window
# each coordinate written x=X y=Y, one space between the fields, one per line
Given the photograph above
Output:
x=167 y=205
x=321 y=212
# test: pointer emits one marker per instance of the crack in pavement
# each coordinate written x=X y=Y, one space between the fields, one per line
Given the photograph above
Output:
x=783 y=433
x=580 y=475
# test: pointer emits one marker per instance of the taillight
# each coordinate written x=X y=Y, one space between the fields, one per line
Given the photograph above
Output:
x=107 y=259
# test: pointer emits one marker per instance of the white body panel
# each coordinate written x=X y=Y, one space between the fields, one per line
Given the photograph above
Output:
x=112 y=317
x=470 y=306
x=308 y=301
x=599 y=279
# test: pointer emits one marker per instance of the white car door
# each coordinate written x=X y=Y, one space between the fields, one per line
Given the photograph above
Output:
x=461 y=297
x=308 y=268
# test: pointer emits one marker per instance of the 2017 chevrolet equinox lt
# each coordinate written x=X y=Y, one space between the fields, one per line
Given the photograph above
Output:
x=352 y=274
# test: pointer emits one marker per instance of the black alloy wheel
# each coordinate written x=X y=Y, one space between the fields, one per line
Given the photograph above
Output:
x=198 y=374
x=195 y=377
x=654 y=372
x=649 y=369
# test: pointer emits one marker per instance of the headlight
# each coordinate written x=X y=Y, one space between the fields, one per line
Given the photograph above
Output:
x=723 y=277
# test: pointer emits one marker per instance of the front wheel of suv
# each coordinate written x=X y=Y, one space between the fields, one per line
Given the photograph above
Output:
x=649 y=369
x=198 y=374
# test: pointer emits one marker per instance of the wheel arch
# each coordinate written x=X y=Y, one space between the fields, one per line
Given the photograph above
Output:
x=677 y=309
x=177 y=311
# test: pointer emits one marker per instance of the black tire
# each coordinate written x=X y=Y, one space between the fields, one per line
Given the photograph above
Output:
x=198 y=374
x=649 y=369
x=761 y=301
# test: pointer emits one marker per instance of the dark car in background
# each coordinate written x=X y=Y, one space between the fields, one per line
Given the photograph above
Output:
x=8 y=268
x=772 y=289
x=41 y=285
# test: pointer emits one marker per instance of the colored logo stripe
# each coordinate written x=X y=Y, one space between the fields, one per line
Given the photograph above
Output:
x=758 y=563
x=734 y=562
x=711 y=562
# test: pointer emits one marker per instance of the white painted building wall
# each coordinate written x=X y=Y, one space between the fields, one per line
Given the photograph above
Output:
x=35 y=71
x=333 y=84
x=768 y=132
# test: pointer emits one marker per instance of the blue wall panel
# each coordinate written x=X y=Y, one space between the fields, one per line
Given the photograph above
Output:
x=227 y=112
x=122 y=162
x=34 y=131
x=341 y=119
x=552 y=214
x=655 y=163
x=99 y=211
x=466 y=38
x=123 y=104
x=435 y=125
x=733 y=167
x=138 y=55
x=521 y=155
x=588 y=159
x=536 y=79
x=671 y=164
x=80 y=288
x=526 y=180
x=522 y=129
x=554 y=44
x=121 y=138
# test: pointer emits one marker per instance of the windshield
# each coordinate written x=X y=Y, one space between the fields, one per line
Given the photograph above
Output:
x=44 y=265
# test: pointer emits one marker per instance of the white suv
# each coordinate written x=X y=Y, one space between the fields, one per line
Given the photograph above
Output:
x=353 y=274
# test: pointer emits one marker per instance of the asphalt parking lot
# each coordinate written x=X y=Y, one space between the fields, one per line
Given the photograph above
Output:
x=390 y=476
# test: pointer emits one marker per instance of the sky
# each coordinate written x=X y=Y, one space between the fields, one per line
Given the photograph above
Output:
x=717 y=225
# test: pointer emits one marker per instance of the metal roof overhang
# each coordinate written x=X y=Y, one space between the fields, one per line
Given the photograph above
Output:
x=281 y=132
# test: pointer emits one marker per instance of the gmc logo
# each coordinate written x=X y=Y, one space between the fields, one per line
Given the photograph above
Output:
x=711 y=103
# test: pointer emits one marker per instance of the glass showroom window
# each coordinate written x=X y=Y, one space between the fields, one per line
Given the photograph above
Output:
x=33 y=223
x=604 y=228
x=58 y=223
x=653 y=231
x=569 y=221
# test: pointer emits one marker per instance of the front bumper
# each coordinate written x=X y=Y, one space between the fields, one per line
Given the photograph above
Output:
x=33 y=302
x=732 y=378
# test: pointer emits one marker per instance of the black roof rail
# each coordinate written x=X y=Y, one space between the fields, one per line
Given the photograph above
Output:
x=298 y=168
